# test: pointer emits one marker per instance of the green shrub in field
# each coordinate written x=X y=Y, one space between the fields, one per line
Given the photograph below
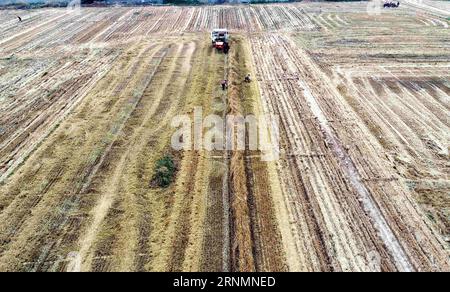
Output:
x=164 y=172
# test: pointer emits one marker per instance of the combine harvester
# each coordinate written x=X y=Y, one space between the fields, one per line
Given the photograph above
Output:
x=220 y=39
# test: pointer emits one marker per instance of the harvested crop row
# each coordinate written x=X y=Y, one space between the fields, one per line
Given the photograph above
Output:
x=255 y=237
x=68 y=192
x=342 y=254
x=398 y=87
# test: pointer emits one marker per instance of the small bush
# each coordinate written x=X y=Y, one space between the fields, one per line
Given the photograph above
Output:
x=164 y=172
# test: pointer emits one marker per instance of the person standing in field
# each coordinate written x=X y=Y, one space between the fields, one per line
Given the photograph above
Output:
x=226 y=48
x=248 y=78
x=224 y=84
